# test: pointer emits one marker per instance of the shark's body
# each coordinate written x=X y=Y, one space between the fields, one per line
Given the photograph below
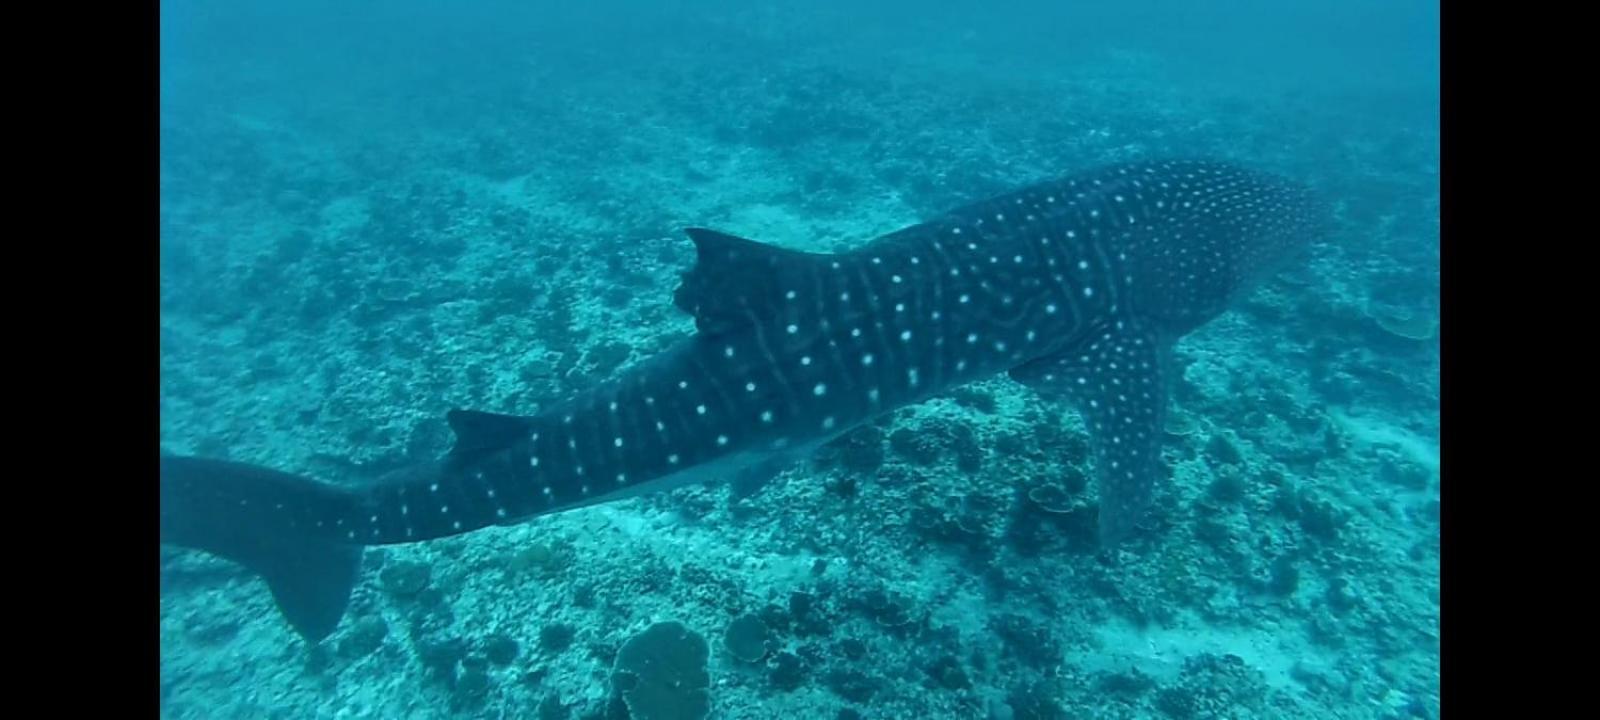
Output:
x=1077 y=288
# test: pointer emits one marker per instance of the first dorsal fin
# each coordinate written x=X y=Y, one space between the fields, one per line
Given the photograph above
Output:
x=480 y=432
x=734 y=279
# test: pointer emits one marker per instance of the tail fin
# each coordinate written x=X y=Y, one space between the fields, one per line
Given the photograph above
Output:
x=222 y=508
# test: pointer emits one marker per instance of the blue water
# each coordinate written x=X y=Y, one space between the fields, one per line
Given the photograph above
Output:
x=373 y=212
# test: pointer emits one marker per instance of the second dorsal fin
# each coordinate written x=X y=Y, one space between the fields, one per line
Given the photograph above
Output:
x=482 y=432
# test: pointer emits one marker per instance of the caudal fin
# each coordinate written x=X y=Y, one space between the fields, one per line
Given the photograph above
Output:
x=226 y=509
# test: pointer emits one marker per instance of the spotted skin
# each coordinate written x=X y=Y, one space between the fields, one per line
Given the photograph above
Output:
x=1077 y=288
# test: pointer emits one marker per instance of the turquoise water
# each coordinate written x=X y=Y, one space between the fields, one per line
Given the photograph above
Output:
x=375 y=212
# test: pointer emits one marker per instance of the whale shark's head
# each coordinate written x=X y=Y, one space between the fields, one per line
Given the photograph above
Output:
x=1218 y=232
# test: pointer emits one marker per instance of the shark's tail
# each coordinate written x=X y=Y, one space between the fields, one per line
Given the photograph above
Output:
x=223 y=508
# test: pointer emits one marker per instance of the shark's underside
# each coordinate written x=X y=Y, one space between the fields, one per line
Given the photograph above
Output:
x=1077 y=287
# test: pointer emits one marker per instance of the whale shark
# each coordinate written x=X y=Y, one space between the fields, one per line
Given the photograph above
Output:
x=1078 y=288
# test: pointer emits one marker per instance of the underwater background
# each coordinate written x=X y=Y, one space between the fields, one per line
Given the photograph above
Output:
x=374 y=212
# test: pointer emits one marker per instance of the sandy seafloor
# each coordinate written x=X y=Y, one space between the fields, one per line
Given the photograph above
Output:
x=332 y=284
